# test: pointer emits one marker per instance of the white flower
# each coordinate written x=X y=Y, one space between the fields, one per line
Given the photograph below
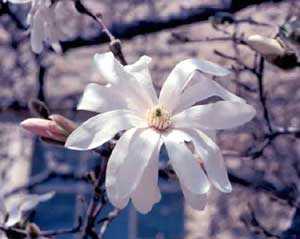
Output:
x=130 y=103
x=42 y=20
x=11 y=211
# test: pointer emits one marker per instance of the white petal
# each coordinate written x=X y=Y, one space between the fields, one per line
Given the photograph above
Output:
x=37 y=35
x=212 y=158
x=99 y=98
x=129 y=171
x=186 y=167
x=212 y=134
x=27 y=203
x=101 y=128
x=19 y=1
x=140 y=69
x=115 y=162
x=203 y=89
x=15 y=215
x=219 y=115
x=180 y=76
x=31 y=201
x=117 y=75
x=3 y=235
x=196 y=201
x=147 y=192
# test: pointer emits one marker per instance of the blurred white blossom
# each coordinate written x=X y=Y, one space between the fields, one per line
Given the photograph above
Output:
x=12 y=210
x=43 y=25
x=129 y=102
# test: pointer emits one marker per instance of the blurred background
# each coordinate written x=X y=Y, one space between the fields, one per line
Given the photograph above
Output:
x=264 y=166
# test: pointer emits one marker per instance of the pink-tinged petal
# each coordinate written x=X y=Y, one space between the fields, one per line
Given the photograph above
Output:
x=45 y=128
x=147 y=192
x=211 y=156
x=101 y=128
x=180 y=77
x=219 y=115
x=186 y=167
x=202 y=89
x=118 y=76
x=196 y=201
x=140 y=69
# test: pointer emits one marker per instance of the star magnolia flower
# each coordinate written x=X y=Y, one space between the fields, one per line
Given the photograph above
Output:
x=43 y=23
x=130 y=103
x=11 y=212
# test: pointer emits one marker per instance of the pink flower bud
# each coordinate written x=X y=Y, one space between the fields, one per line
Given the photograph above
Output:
x=45 y=128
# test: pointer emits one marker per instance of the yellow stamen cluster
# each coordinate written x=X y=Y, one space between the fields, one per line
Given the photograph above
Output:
x=158 y=117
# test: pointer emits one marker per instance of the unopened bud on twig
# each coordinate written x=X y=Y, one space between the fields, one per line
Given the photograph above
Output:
x=33 y=231
x=273 y=51
x=58 y=128
x=39 y=108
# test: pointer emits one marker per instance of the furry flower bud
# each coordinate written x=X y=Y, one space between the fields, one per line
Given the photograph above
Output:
x=273 y=51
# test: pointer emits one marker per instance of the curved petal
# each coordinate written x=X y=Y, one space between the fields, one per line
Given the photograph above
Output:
x=203 y=89
x=196 y=201
x=187 y=169
x=212 y=158
x=99 y=98
x=180 y=77
x=129 y=172
x=118 y=76
x=115 y=162
x=140 y=69
x=219 y=115
x=101 y=128
x=147 y=192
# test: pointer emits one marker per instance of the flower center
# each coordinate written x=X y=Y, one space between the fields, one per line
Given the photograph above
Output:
x=158 y=117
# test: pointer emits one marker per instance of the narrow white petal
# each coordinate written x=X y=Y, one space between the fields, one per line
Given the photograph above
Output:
x=117 y=75
x=19 y=1
x=115 y=162
x=186 y=167
x=99 y=98
x=140 y=69
x=125 y=174
x=180 y=76
x=101 y=128
x=219 y=115
x=27 y=203
x=147 y=192
x=31 y=201
x=203 y=89
x=212 y=158
x=37 y=35
x=196 y=201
